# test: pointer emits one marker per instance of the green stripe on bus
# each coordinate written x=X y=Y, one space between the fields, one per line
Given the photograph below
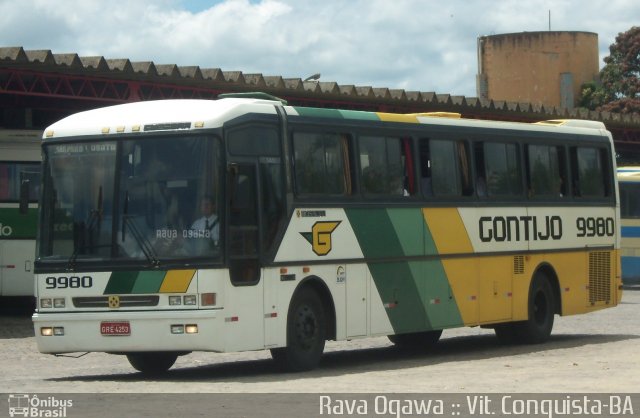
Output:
x=396 y=282
x=375 y=233
x=335 y=113
x=121 y=282
x=410 y=228
x=359 y=115
x=417 y=293
x=399 y=292
x=148 y=282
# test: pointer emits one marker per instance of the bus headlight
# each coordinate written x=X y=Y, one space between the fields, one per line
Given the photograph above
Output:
x=190 y=300
x=59 y=303
x=177 y=329
x=51 y=331
x=175 y=300
x=46 y=303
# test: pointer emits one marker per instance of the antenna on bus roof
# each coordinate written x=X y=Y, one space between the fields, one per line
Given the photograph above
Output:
x=252 y=95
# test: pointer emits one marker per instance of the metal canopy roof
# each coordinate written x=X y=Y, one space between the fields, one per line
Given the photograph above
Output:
x=97 y=79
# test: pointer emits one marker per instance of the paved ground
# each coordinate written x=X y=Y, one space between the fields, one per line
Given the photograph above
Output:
x=599 y=352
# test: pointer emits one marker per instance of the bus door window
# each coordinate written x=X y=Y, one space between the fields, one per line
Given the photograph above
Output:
x=273 y=201
x=244 y=266
x=261 y=141
x=256 y=198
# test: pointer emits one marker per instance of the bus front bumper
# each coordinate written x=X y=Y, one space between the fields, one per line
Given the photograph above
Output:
x=122 y=332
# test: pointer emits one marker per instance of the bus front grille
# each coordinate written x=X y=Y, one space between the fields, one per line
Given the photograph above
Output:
x=130 y=301
x=599 y=277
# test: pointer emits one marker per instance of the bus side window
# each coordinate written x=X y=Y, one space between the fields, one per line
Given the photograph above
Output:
x=382 y=166
x=480 y=172
x=12 y=175
x=546 y=171
x=503 y=171
x=322 y=163
x=588 y=169
x=444 y=169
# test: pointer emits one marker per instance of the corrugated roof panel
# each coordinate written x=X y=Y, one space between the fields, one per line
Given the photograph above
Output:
x=214 y=80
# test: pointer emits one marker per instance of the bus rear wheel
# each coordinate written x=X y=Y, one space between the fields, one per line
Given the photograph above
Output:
x=306 y=333
x=152 y=363
x=537 y=328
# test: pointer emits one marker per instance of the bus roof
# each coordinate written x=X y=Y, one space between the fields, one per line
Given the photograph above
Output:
x=157 y=115
x=186 y=114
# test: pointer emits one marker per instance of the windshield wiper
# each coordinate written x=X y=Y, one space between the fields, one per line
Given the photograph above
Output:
x=95 y=218
x=142 y=241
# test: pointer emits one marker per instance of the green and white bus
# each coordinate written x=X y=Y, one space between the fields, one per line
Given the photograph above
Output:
x=19 y=163
x=321 y=224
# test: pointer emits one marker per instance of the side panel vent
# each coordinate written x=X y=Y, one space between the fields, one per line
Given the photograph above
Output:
x=518 y=264
x=599 y=277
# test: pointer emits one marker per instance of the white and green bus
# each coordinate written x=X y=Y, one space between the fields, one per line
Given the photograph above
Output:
x=246 y=224
x=19 y=163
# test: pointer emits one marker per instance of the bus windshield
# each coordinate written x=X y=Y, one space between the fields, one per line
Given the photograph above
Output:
x=147 y=200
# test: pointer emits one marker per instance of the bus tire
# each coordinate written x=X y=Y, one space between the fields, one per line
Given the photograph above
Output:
x=537 y=328
x=306 y=333
x=416 y=339
x=152 y=363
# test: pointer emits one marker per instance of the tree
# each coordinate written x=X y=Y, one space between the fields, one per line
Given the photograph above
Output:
x=619 y=88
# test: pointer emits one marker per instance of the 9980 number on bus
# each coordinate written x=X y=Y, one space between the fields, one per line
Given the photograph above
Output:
x=72 y=282
x=595 y=227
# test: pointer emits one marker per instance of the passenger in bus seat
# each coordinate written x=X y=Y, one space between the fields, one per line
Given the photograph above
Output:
x=207 y=226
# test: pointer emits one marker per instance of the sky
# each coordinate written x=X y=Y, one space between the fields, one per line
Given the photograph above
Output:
x=415 y=45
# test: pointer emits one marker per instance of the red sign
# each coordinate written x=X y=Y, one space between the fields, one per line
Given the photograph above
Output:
x=115 y=328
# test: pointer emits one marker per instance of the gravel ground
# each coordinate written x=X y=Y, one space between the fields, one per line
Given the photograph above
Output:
x=598 y=352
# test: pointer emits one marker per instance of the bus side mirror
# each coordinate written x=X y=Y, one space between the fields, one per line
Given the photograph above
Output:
x=24 y=197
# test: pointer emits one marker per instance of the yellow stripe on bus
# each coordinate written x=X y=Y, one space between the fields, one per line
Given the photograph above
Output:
x=448 y=231
x=177 y=281
x=450 y=237
x=396 y=117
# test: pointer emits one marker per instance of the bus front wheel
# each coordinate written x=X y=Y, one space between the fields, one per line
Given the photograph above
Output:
x=306 y=333
x=152 y=363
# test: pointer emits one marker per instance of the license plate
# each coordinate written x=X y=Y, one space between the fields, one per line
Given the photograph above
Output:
x=115 y=328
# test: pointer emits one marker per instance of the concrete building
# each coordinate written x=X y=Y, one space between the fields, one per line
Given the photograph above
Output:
x=544 y=68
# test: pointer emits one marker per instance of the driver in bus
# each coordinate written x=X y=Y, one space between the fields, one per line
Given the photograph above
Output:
x=207 y=226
